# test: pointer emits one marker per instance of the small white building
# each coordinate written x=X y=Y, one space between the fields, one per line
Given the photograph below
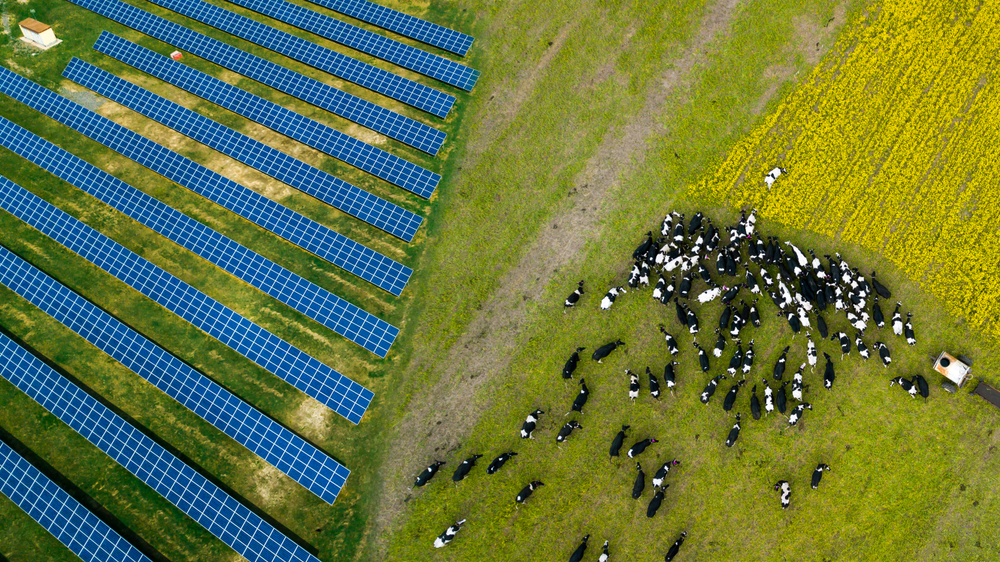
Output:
x=38 y=34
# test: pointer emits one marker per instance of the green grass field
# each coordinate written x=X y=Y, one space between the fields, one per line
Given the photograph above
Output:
x=588 y=121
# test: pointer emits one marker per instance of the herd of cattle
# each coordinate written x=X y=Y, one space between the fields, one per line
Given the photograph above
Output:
x=802 y=289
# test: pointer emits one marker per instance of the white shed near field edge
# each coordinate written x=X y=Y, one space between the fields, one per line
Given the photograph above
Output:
x=38 y=34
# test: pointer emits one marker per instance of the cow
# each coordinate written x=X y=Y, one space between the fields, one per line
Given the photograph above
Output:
x=675 y=548
x=682 y=316
x=609 y=298
x=448 y=535
x=498 y=462
x=661 y=284
x=641 y=250
x=706 y=394
x=669 y=377
x=638 y=448
x=526 y=491
x=786 y=492
x=818 y=474
x=662 y=472
x=768 y=399
x=883 y=353
x=577 y=555
x=581 y=398
x=780 y=399
x=463 y=469
x=685 y=287
x=897 y=320
x=734 y=433
x=570 y=366
x=828 y=374
x=793 y=322
x=574 y=297
x=692 y=322
x=880 y=288
x=671 y=342
x=668 y=223
x=862 y=348
x=730 y=399
x=906 y=385
x=633 y=385
x=720 y=344
x=616 y=443
x=754 y=314
x=797 y=412
x=654 y=384
x=824 y=332
x=654 y=504
x=695 y=223
x=428 y=473
x=921 y=384
x=748 y=359
x=737 y=359
x=604 y=553
x=602 y=352
x=529 y=424
x=644 y=274
x=754 y=403
x=779 y=367
x=702 y=358
x=797 y=383
x=710 y=294
x=877 y=314
x=566 y=430
x=908 y=330
x=724 y=318
x=640 y=482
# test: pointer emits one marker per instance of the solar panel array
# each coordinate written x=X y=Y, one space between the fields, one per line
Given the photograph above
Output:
x=306 y=233
x=212 y=508
x=343 y=147
x=374 y=78
x=319 y=304
x=55 y=510
x=375 y=117
x=284 y=450
x=403 y=24
x=282 y=167
x=277 y=356
x=445 y=70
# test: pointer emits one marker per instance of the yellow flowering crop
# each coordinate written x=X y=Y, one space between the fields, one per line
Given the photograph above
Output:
x=892 y=143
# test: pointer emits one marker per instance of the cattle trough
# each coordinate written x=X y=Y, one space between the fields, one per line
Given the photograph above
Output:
x=956 y=370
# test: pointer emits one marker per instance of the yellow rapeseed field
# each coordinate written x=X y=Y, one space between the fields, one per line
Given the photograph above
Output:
x=893 y=143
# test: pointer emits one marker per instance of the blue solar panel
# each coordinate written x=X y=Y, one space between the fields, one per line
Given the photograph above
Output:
x=55 y=510
x=447 y=71
x=212 y=508
x=403 y=24
x=352 y=151
x=371 y=266
x=277 y=356
x=374 y=78
x=377 y=118
x=315 y=302
x=284 y=450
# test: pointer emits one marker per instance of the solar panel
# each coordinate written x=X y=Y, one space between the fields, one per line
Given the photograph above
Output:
x=264 y=437
x=376 y=118
x=55 y=510
x=352 y=151
x=342 y=66
x=403 y=24
x=212 y=508
x=447 y=71
x=277 y=356
x=315 y=302
x=336 y=248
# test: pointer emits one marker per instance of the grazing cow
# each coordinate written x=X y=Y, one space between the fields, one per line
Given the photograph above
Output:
x=737 y=359
x=779 y=367
x=720 y=344
x=695 y=223
x=727 y=404
x=692 y=321
x=662 y=472
x=661 y=284
x=675 y=548
x=748 y=359
x=448 y=535
x=604 y=553
x=702 y=358
x=754 y=314
x=821 y=326
x=638 y=448
x=581 y=398
x=654 y=384
x=671 y=342
x=706 y=394
x=780 y=399
x=685 y=287
x=682 y=316
x=633 y=385
x=880 y=288
x=734 y=433
x=793 y=322
x=570 y=366
x=498 y=462
x=786 y=492
x=730 y=294
x=883 y=353
x=577 y=555
x=905 y=385
x=602 y=352
x=921 y=384
x=526 y=491
x=908 y=330
x=751 y=283
x=574 y=297
x=633 y=276
x=857 y=322
x=754 y=403
x=845 y=343
x=641 y=250
x=644 y=275
x=640 y=482
x=609 y=298
x=654 y=504
x=428 y=473
x=529 y=424
x=860 y=344
x=768 y=399
x=679 y=230
x=877 y=314
x=751 y=223
x=669 y=377
x=828 y=374
x=616 y=443
x=797 y=383
x=710 y=294
x=897 y=320
x=566 y=430
x=720 y=263
x=818 y=474
x=668 y=223
x=725 y=317
x=463 y=469
x=810 y=350
x=668 y=290
x=797 y=412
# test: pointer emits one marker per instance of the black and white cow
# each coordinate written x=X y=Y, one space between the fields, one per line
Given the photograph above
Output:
x=526 y=491
x=668 y=223
x=921 y=384
x=661 y=284
x=724 y=318
x=639 y=447
x=797 y=383
x=695 y=223
x=644 y=274
x=730 y=399
x=612 y=294
x=736 y=360
x=669 y=376
x=786 y=492
x=604 y=553
x=748 y=359
x=734 y=433
x=574 y=297
x=581 y=398
x=897 y=320
x=810 y=351
x=818 y=474
x=675 y=548
x=602 y=352
x=640 y=482
x=779 y=367
x=720 y=344
x=905 y=385
x=633 y=385
x=877 y=314
x=754 y=403
x=692 y=321
x=529 y=424
x=428 y=473
x=570 y=366
x=654 y=384
x=662 y=472
x=780 y=399
x=911 y=338
x=616 y=443
x=710 y=294
x=463 y=469
x=768 y=398
x=577 y=555
x=828 y=374
x=883 y=353
x=702 y=358
x=845 y=343
x=862 y=348
x=754 y=314
x=567 y=430
x=684 y=290
x=671 y=342
x=498 y=462
x=706 y=394
x=448 y=535
x=656 y=502
x=797 y=412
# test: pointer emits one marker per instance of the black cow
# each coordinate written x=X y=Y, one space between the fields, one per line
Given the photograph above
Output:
x=828 y=374
x=526 y=491
x=682 y=316
x=734 y=433
x=640 y=482
x=566 y=430
x=654 y=384
x=448 y=535
x=675 y=548
x=706 y=394
x=906 y=385
x=602 y=352
x=727 y=314
x=730 y=294
x=654 y=504
x=498 y=462
x=570 y=366
x=662 y=472
x=616 y=443
x=692 y=321
x=574 y=297
x=754 y=403
x=908 y=330
x=702 y=358
x=695 y=223
x=529 y=424
x=736 y=360
x=821 y=325
x=780 y=399
x=877 y=314
x=669 y=377
x=463 y=469
x=577 y=555
x=818 y=474
x=428 y=473
x=730 y=399
x=720 y=344
x=921 y=384
x=786 y=492
x=581 y=398
x=685 y=288
x=638 y=448
x=641 y=250
x=779 y=367
x=796 y=414
x=880 y=288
